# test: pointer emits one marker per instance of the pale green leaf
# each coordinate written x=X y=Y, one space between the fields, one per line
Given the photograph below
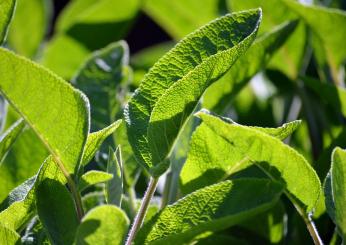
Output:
x=93 y=177
x=283 y=164
x=212 y=208
x=8 y=138
x=57 y=112
x=211 y=158
x=114 y=187
x=56 y=210
x=29 y=26
x=8 y=236
x=220 y=94
x=171 y=90
x=6 y=12
x=104 y=224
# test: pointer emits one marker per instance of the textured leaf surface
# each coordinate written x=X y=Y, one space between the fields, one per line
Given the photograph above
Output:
x=211 y=158
x=100 y=78
x=8 y=236
x=56 y=211
x=338 y=186
x=57 y=112
x=212 y=208
x=114 y=187
x=220 y=93
x=79 y=24
x=9 y=137
x=6 y=12
x=283 y=164
x=172 y=88
x=104 y=224
x=29 y=16
x=93 y=177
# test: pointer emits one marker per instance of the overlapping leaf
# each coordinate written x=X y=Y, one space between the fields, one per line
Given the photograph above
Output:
x=172 y=88
x=6 y=12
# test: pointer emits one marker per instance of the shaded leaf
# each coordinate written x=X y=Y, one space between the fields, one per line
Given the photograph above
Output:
x=212 y=208
x=93 y=177
x=173 y=86
x=7 y=9
x=104 y=224
x=114 y=187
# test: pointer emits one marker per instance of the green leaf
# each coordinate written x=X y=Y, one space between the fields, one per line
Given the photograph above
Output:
x=283 y=164
x=8 y=138
x=29 y=26
x=337 y=195
x=211 y=209
x=114 y=187
x=101 y=78
x=333 y=95
x=95 y=141
x=219 y=94
x=8 y=236
x=79 y=24
x=329 y=33
x=289 y=58
x=56 y=211
x=7 y=9
x=180 y=17
x=44 y=99
x=211 y=158
x=173 y=86
x=93 y=177
x=104 y=224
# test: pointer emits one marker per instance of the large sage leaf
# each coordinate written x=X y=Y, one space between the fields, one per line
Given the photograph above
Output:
x=170 y=91
x=220 y=93
x=6 y=10
x=56 y=211
x=106 y=224
x=283 y=164
x=212 y=208
x=211 y=158
x=57 y=112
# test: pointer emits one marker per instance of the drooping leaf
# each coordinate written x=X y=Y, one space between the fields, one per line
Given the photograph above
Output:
x=96 y=139
x=8 y=236
x=114 y=187
x=29 y=16
x=79 y=24
x=211 y=158
x=336 y=197
x=172 y=88
x=330 y=33
x=93 y=177
x=283 y=164
x=101 y=78
x=212 y=208
x=9 y=137
x=44 y=99
x=219 y=95
x=104 y=224
x=56 y=211
x=180 y=17
x=289 y=58
x=6 y=10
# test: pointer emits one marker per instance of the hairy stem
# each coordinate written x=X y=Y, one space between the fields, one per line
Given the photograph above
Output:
x=142 y=210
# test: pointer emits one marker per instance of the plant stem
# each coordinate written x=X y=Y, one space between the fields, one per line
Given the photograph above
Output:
x=142 y=210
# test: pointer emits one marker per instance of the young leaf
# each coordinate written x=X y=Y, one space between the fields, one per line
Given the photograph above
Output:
x=7 y=9
x=336 y=198
x=211 y=158
x=43 y=99
x=9 y=137
x=9 y=236
x=104 y=224
x=114 y=187
x=57 y=212
x=170 y=91
x=93 y=177
x=283 y=163
x=212 y=208
x=101 y=78
x=219 y=94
